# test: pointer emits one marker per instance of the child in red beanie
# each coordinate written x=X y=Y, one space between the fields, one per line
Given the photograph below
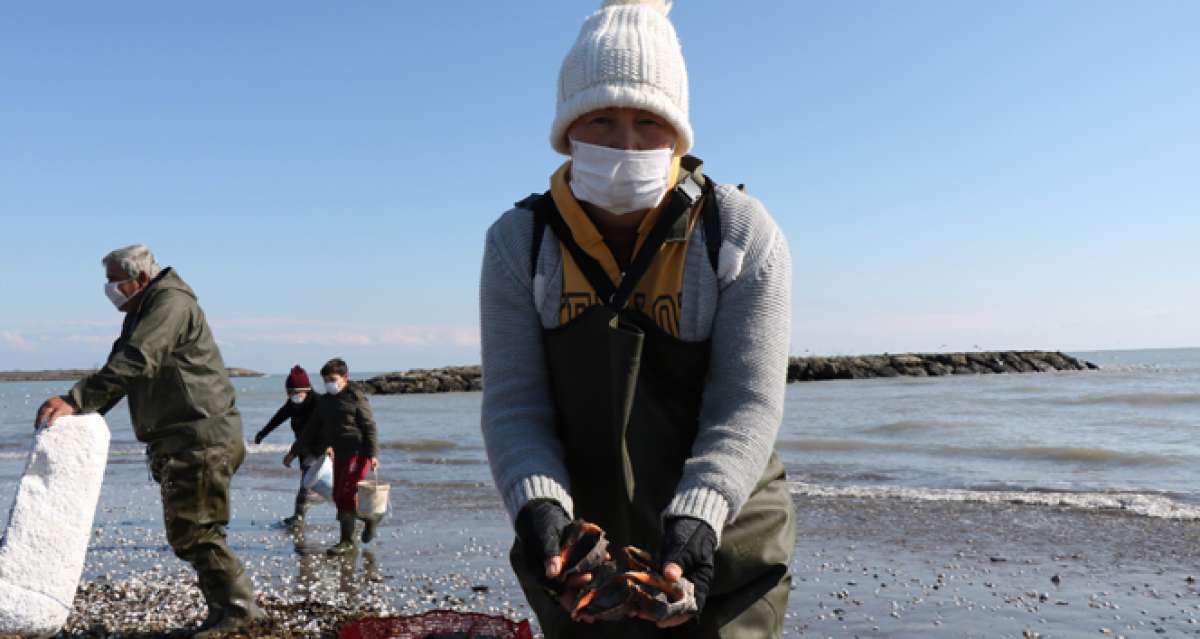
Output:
x=298 y=408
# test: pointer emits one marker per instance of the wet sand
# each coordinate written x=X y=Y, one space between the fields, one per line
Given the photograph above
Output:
x=875 y=568
x=863 y=568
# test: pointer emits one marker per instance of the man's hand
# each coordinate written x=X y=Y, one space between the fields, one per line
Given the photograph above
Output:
x=374 y=463
x=540 y=526
x=258 y=438
x=287 y=459
x=51 y=410
x=570 y=595
x=329 y=452
x=689 y=546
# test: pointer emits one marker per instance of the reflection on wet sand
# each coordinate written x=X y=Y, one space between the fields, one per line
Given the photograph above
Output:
x=356 y=572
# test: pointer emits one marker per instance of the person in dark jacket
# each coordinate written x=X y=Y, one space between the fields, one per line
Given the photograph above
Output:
x=344 y=428
x=299 y=407
x=167 y=364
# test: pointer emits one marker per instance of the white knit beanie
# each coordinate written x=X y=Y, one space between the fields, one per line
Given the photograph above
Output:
x=627 y=55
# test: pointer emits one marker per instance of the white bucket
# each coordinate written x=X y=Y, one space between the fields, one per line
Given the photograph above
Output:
x=373 y=496
x=319 y=476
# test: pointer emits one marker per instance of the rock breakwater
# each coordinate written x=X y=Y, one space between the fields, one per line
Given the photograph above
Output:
x=807 y=369
x=457 y=379
x=454 y=379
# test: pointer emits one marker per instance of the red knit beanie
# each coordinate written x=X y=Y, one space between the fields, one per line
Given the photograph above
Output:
x=298 y=379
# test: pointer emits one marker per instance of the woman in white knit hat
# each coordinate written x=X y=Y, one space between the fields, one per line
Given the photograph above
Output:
x=635 y=324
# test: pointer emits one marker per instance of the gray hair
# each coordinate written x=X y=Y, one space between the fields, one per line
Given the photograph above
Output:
x=134 y=260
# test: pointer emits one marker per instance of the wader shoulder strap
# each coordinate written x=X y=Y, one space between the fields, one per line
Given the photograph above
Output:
x=547 y=212
x=683 y=197
x=681 y=200
x=539 y=229
x=711 y=217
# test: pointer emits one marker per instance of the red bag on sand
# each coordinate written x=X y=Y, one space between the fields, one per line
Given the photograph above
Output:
x=437 y=624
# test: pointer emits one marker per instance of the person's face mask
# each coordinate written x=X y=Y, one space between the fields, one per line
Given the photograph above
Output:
x=333 y=386
x=113 y=291
x=297 y=398
x=619 y=181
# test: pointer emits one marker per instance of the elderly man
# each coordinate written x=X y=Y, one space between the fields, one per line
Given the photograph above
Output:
x=182 y=407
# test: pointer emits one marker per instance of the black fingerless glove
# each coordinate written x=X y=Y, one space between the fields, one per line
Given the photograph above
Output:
x=540 y=525
x=692 y=544
x=259 y=437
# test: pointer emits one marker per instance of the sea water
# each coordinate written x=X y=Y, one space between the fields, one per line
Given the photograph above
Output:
x=1126 y=436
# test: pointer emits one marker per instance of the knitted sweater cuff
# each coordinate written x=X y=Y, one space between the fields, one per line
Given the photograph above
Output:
x=701 y=503
x=537 y=487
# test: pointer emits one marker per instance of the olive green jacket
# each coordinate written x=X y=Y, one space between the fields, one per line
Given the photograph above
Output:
x=343 y=422
x=168 y=365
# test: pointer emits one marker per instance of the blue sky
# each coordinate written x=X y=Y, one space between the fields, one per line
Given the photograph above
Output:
x=949 y=174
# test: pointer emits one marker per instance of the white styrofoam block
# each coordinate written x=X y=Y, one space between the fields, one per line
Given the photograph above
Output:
x=44 y=547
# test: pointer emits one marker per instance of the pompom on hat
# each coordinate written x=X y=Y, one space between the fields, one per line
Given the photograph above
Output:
x=626 y=55
x=297 y=380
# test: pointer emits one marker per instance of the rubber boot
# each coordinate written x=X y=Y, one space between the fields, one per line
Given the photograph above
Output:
x=240 y=609
x=371 y=524
x=215 y=612
x=346 y=545
x=297 y=518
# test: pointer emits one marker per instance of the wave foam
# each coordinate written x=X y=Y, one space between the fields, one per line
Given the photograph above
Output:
x=267 y=448
x=1146 y=504
x=419 y=445
x=906 y=426
x=1132 y=399
x=1064 y=454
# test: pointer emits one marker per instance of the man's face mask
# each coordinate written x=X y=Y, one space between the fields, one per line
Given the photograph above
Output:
x=619 y=181
x=115 y=295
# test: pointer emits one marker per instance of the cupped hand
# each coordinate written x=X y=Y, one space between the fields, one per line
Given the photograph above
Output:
x=571 y=587
x=673 y=572
x=689 y=549
x=52 y=409
x=540 y=525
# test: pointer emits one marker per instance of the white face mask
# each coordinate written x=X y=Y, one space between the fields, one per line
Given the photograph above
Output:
x=333 y=388
x=115 y=295
x=297 y=398
x=617 y=180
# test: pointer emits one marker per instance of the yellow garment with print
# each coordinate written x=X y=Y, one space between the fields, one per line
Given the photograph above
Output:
x=659 y=295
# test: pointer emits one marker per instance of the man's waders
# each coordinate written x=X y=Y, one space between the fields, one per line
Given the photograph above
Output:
x=628 y=398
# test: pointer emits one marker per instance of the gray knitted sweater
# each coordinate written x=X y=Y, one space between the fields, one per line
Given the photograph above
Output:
x=744 y=307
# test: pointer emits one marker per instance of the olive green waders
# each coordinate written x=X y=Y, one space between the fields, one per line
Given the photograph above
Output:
x=628 y=398
x=195 y=498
